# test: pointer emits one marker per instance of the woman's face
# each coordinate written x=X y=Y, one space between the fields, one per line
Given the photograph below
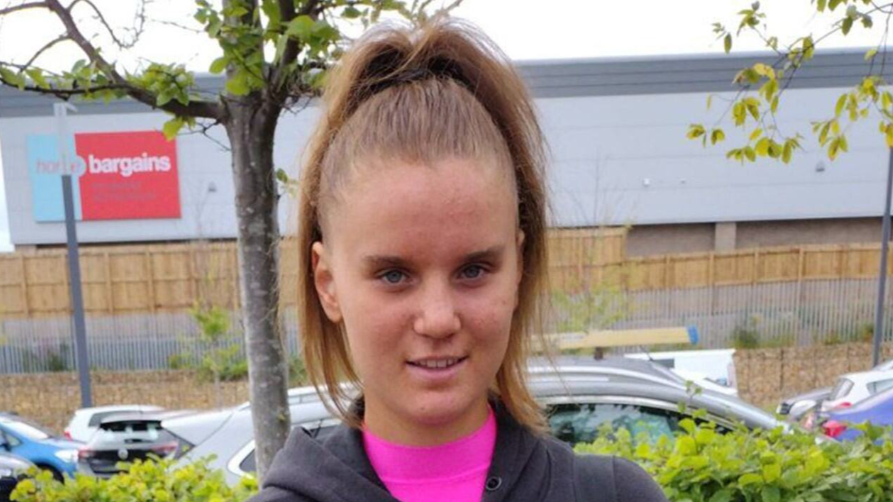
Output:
x=422 y=264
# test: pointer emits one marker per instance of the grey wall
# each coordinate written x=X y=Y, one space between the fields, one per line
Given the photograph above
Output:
x=617 y=134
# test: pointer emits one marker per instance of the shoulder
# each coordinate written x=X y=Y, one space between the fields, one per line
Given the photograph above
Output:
x=601 y=474
x=626 y=479
x=274 y=494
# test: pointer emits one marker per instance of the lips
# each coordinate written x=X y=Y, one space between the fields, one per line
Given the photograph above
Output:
x=437 y=363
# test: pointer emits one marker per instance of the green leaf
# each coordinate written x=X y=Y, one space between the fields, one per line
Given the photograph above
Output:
x=841 y=103
x=847 y=25
x=821 y=4
x=771 y=472
x=237 y=85
x=771 y=494
x=833 y=148
x=695 y=131
x=750 y=479
x=300 y=27
x=38 y=78
x=764 y=70
x=762 y=147
x=11 y=77
x=351 y=13
x=727 y=43
x=219 y=65
x=164 y=98
x=716 y=136
x=787 y=152
x=172 y=127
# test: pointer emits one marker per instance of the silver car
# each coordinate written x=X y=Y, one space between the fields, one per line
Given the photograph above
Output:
x=579 y=400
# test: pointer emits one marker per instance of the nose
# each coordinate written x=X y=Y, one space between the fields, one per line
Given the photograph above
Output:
x=437 y=317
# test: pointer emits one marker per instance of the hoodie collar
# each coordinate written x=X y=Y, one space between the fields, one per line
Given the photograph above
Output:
x=338 y=469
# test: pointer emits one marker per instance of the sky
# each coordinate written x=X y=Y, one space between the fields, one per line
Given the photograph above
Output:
x=524 y=29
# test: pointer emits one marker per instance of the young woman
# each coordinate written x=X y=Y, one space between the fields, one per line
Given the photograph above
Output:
x=422 y=230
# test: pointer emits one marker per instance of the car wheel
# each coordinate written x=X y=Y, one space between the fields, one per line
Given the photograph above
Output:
x=55 y=472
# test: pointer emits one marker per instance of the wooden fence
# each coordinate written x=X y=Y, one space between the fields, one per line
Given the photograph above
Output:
x=730 y=268
x=170 y=277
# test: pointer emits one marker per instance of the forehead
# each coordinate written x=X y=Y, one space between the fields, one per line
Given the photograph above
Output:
x=455 y=205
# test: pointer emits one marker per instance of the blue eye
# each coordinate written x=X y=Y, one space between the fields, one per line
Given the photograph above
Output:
x=473 y=272
x=393 y=276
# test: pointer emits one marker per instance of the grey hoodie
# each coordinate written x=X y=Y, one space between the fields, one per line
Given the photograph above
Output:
x=525 y=468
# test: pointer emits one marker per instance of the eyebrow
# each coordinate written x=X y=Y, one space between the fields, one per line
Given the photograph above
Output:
x=381 y=261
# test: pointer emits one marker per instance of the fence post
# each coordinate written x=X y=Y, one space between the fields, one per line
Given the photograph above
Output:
x=26 y=300
x=150 y=278
x=109 y=288
x=800 y=264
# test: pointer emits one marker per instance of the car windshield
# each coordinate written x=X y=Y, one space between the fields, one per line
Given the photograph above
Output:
x=841 y=389
x=129 y=432
x=27 y=430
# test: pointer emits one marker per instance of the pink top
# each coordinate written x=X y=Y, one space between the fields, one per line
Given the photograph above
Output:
x=453 y=472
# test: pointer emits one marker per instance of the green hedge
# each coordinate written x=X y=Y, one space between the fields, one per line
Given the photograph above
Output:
x=702 y=465
x=698 y=465
x=148 y=481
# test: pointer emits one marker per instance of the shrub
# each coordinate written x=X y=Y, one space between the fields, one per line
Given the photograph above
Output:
x=702 y=465
x=145 y=481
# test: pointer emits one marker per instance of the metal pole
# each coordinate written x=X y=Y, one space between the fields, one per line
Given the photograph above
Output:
x=74 y=268
x=882 y=273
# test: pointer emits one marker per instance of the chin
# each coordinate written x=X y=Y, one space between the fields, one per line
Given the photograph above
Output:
x=436 y=410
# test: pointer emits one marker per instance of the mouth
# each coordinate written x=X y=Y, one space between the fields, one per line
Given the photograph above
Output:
x=437 y=363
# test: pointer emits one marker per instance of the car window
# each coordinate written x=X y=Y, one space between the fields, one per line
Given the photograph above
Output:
x=880 y=386
x=579 y=423
x=131 y=432
x=11 y=440
x=97 y=417
x=841 y=389
x=248 y=464
x=32 y=432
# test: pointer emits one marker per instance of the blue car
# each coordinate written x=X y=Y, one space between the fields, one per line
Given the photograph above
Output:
x=877 y=409
x=33 y=443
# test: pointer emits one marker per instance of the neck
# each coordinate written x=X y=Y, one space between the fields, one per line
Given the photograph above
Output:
x=397 y=429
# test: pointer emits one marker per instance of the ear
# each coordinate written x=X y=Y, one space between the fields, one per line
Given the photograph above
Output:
x=324 y=281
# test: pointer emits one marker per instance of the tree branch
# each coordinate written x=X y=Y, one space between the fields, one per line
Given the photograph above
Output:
x=45 y=48
x=24 y=6
x=287 y=12
x=99 y=17
x=192 y=109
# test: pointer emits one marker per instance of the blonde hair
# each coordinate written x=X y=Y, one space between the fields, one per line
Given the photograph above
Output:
x=424 y=94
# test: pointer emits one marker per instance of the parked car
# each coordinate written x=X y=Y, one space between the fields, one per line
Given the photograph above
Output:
x=12 y=470
x=86 y=420
x=578 y=400
x=877 y=409
x=32 y=442
x=705 y=382
x=854 y=387
x=797 y=407
x=125 y=438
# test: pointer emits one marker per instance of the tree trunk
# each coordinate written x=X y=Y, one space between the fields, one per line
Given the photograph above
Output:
x=250 y=129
